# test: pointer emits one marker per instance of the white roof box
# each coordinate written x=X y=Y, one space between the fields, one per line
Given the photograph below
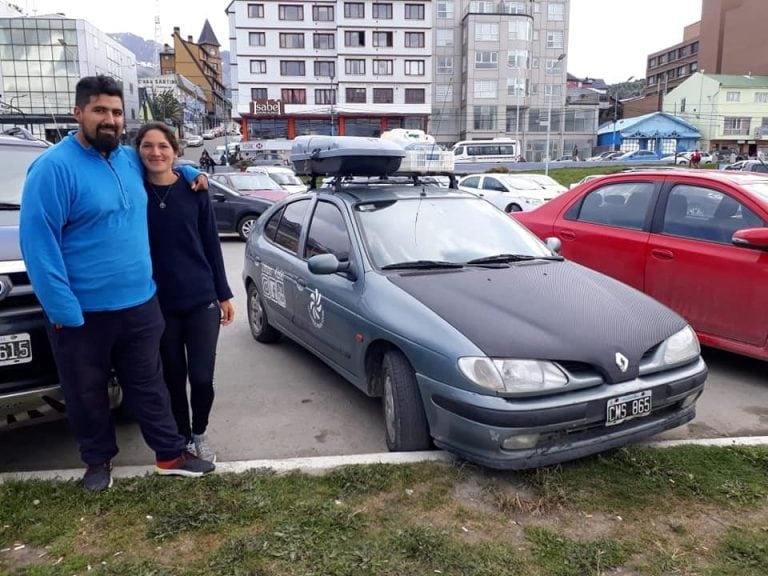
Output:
x=345 y=156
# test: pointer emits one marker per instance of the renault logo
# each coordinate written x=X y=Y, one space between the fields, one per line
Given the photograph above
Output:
x=622 y=362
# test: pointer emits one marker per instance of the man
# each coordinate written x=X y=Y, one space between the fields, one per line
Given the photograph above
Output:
x=85 y=244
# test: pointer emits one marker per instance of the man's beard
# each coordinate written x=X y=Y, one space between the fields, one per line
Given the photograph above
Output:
x=103 y=141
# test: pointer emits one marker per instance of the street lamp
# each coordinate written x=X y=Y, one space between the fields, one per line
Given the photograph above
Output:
x=18 y=96
x=616 y=111
x=549 y=121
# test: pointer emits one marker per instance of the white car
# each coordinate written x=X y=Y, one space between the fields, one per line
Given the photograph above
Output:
x=546 y=182
x=285 y=177
x=194 y=140
x=684 y=158
x=508 y=192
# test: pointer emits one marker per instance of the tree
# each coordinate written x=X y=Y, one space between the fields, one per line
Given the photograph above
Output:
x=166 y=108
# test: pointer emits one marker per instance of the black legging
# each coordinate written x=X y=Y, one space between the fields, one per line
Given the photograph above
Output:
x=188 y=350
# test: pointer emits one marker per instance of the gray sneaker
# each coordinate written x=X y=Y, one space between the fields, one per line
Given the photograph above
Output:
x=187 y=464
x=203 y=448
x=98 y=478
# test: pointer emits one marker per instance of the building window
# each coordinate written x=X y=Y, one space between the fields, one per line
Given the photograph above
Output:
x=444 y=37
x=486 y=60
x=514 y=8
x=694 y=66
x=443 y=93
x=484 y=117
x=355 y=38
x=354 y=10
x=258 y=66
x=259 y=94
x=516 y=87
x=732 y=96
x=445 y=65
x=414 y=11
x=327 y=69
x=290 y=12
x=445 y=10
x=382 y=39
x=255 y=10
x=291 y=40
x=681 y=52
x=518 y=59
x=486 y=89
x=324 y=41
x=556 y=12
x=354 y=67
x=383 y=96
x=355 y=95
x=382 y=68
x=652 y=63
x=414 y=39
x=257 y=39
x=292 y=68
x=761 y=97
x=414 y=67
x=555 y=39
x=293 y=95
x=695 y=48
x=325 y=96
x=554 y=67
x=482 y=7
x=414 y=95
x=520 y=30
x=736 y=126
x=486 y=32
x=382 y=11
x=323 y=14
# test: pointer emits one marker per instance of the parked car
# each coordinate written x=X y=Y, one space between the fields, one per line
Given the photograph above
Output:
x=209 y=135
x=235 y=211
x=509 y=192
x=748 y=166
x=547 y=182
x=265 y=158
x=256 y=184
x=476 y=335
x=29 y=382
x=283 y=176
x=194 y=140
x=684 y=158
x=696 y=240
x=604 y=156
x=637 y=155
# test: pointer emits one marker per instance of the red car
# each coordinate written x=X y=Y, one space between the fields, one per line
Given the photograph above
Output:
x=696 y=241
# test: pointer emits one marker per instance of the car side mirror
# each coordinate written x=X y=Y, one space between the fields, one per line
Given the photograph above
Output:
x=324 y=264
x=756 y=238
x=554 y=244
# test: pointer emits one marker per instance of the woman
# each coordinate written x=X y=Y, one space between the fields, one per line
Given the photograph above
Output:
x=206 y=162
x=192 y=286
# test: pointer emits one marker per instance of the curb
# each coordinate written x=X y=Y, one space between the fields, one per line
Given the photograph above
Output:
x=319 y=464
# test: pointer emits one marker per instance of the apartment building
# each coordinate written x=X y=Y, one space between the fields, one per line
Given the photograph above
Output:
x=668 y=68
x=43 y=57
x=327 y=67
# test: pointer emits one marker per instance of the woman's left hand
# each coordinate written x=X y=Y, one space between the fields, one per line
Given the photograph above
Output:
x=200 y=183
x=227 y=312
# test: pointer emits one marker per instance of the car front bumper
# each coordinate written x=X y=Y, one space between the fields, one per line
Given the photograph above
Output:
x=556 y=428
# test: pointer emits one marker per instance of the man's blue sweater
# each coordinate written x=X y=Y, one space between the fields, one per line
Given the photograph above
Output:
x=83 y=231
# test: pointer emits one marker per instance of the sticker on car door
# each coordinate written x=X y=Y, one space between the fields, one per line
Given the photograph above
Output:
x=272 y=285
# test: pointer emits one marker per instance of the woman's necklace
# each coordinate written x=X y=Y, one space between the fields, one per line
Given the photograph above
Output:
x=161 y=197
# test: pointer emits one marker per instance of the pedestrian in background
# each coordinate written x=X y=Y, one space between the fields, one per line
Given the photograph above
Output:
x=191 y=284
x=84 y=240
x=206 y=162
x=695 y=158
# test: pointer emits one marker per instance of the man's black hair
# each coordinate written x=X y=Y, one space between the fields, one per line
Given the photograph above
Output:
x=96 y=86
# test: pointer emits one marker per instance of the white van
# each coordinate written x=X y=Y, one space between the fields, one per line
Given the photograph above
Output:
x=408 y=134
x=495 y=150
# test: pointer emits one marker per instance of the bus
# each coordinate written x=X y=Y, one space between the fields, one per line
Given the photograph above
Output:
x=496 y=150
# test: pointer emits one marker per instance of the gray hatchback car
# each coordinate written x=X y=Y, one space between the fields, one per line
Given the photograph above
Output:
x=478 y=337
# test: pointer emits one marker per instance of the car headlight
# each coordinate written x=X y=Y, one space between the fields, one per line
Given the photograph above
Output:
x=532 y=201
x=681 y=347
x=510 y=376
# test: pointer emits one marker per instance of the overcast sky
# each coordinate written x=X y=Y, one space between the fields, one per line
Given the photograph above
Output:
x=609 y=39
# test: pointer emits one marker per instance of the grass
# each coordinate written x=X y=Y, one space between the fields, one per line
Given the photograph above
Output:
x=686 y=510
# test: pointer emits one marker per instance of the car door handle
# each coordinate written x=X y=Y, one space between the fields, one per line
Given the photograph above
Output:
x=662 y=254
x=301 y=283
x=567 y=234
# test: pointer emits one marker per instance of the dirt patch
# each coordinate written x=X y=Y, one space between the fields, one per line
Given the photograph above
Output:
x=19 y=556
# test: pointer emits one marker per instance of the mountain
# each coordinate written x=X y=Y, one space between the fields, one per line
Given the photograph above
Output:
x=145 y=52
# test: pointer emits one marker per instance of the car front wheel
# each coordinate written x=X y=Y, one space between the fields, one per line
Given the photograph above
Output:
x=406 y=423
x=246 y=226
x=261 y=330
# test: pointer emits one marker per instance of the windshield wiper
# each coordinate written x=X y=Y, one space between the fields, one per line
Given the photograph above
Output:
x=502 y=258
x=422 y=264
x=9 y=206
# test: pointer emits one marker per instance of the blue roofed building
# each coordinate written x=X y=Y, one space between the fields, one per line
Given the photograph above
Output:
x=658 y=131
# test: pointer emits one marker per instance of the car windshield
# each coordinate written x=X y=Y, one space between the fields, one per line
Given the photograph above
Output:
x=286 y=178
x=445 y=230
x=14 y=164
x=253 y=181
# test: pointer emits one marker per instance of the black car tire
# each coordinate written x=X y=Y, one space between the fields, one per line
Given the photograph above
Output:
x=513 y=208
x=406 y=426
x=245 y=226
x=261 y=330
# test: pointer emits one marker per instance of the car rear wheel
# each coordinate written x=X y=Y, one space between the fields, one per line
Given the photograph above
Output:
x=512 y=208
x=261 y=330
x=246 y=225
x=404 y=417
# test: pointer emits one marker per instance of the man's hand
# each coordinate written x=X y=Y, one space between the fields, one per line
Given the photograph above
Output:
x=200 y=183
x=227 y=312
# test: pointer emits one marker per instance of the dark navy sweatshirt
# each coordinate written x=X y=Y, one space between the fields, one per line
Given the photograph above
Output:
x=187 y=263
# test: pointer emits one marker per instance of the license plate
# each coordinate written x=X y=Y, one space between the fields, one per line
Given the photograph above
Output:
x=625 y=408
x=15 y=349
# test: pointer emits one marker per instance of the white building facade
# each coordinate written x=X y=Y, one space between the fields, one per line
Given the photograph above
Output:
x=330 y=67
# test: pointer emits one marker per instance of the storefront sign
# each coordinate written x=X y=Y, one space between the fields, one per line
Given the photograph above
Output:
x=267 y=108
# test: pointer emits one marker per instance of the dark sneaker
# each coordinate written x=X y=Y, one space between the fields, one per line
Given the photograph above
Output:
x=98 y=478
x=185 y=465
